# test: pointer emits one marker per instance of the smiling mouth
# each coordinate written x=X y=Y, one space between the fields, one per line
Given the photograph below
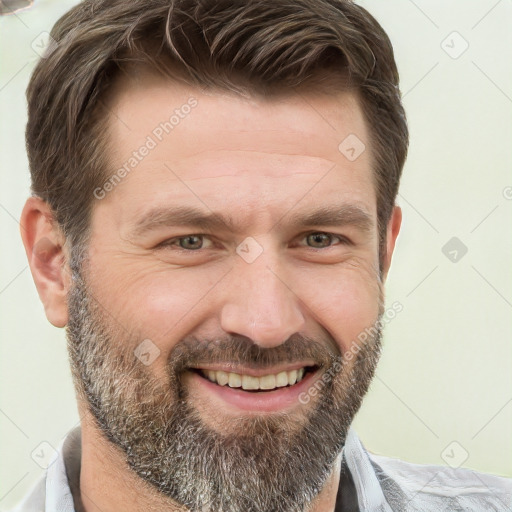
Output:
x=270 y=382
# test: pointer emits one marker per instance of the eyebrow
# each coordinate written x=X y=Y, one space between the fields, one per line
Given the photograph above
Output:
x=336 y=216
x=328 y=216
x=182 y=216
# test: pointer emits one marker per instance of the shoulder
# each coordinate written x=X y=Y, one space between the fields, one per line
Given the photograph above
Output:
x=425 y=488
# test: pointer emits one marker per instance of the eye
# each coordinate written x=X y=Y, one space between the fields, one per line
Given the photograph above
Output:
x=188 y=243
x=191 y=242
x=320 y=240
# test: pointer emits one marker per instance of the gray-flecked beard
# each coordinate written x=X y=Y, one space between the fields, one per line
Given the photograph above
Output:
x=269 y=463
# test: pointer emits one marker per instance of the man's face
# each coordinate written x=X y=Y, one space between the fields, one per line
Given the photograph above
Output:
x=242 y=241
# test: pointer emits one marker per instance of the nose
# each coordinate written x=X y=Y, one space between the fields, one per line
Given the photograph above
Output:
x=260 y=305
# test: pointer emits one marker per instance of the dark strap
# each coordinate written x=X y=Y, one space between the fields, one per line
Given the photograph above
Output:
x=346 y=499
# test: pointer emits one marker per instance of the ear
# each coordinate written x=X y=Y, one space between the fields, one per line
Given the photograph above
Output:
x=45 y=247
x=392 y=231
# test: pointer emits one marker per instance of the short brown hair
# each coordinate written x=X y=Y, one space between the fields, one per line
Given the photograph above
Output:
x=259 y=46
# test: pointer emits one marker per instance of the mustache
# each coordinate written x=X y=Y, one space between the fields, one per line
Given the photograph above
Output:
x=194 y=352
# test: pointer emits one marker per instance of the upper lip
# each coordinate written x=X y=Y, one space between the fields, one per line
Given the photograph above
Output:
x=254 y=372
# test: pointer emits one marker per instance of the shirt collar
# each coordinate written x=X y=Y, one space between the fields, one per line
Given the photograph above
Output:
x=64 y=473
x=370 y=496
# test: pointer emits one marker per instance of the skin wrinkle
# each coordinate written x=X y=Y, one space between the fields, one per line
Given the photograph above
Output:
x=240 y=173
x=234 y=176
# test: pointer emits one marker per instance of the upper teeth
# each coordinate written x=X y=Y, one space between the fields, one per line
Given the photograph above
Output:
x=235 y=380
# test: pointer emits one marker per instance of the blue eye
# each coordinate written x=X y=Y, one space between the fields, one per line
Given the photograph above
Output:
x=187 y=243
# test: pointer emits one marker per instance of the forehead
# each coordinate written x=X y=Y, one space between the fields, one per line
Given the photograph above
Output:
x=173 y=142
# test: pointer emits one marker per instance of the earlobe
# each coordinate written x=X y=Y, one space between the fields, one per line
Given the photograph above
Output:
x=45 y=249
x=393 y=229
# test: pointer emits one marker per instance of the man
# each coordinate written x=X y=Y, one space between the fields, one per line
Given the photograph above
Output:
x=213 y=219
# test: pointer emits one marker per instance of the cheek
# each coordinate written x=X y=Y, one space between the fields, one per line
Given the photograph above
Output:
x=154 y=302
x=344 y=302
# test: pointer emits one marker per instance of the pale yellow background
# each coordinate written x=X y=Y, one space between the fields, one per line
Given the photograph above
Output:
x=446 y=370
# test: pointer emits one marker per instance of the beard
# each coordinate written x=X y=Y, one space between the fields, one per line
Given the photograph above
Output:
x=275 y=462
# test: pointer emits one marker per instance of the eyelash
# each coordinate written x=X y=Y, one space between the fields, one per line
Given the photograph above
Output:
x=172 y=241
x=342 y=240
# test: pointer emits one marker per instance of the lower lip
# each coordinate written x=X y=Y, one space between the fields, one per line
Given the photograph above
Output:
x=262 y=401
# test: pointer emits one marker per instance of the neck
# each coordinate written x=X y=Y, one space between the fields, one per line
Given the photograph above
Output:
x=107 y=484
x=326 y=499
